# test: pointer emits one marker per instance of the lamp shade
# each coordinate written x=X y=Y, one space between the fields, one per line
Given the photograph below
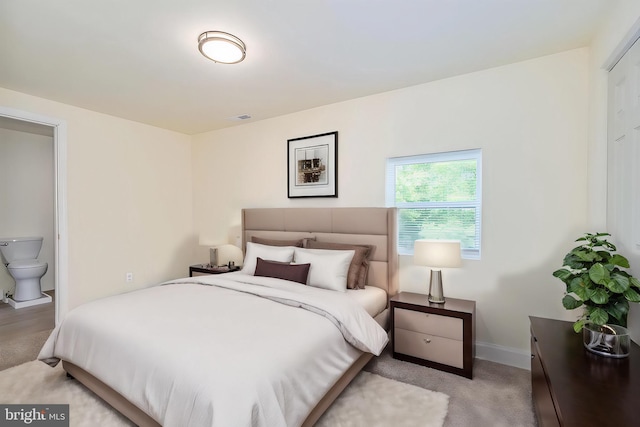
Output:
x=437 y=253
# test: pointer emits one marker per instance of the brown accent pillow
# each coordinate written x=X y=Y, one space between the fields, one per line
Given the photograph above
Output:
x=273 y=242
x=364 y=272
x=282 y=270
x=359 y=267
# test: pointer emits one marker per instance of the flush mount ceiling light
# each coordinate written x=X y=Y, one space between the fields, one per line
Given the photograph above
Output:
x=221 y=47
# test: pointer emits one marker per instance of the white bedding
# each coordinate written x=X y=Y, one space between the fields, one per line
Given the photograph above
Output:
x=371 y=298
x=194 y=355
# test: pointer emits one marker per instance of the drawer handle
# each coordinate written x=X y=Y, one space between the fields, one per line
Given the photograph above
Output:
x=427 y=340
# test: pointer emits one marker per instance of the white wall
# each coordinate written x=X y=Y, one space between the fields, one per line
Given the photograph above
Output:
x=129 y=200
x=529 y=118
x=27 y=196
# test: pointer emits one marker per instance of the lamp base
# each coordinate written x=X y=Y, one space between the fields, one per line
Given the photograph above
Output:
x=435 y=287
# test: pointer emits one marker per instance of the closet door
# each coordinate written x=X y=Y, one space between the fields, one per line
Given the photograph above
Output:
x=623 y=204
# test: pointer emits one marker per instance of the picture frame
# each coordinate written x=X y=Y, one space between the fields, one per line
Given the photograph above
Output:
x=312 y=166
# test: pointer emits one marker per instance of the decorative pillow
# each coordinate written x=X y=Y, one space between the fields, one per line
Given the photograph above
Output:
x=273 y=242
x=283 y=270
x=364 y=273
x=328 y=268
x=271 y=253
x=357 y=276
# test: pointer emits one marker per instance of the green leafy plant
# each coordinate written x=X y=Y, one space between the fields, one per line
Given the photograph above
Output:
x=594 y=279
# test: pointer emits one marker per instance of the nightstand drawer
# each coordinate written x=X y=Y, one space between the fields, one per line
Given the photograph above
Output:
x=428 y=323
x=429 y=347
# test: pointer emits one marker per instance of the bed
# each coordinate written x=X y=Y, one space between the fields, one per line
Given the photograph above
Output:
x=270 y=352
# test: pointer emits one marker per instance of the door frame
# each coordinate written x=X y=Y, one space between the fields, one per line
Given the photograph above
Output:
x=61 y=248
x=623 y=46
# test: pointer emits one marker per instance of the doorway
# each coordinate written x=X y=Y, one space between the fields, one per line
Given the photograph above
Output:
x=60 y=246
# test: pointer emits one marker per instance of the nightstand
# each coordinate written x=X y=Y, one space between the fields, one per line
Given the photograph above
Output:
x=440 y=336
x=205 y=269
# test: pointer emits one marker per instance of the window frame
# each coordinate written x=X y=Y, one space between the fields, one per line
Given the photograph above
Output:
x=390 y=187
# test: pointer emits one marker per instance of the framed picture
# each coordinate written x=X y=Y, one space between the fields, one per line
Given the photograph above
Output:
x=313 y=166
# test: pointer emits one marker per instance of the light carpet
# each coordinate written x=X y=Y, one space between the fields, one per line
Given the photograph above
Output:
x=16 y=351
x=370 y=400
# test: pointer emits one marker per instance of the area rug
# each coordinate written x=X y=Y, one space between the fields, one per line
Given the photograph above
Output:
x=370 y=400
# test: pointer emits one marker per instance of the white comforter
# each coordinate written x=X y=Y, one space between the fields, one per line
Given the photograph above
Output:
x=247 y=351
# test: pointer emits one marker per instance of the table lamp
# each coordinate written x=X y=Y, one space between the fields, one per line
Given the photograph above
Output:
x=224 y=254
x=437 y=254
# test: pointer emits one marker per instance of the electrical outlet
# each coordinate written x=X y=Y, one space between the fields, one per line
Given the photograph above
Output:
x=129 y=277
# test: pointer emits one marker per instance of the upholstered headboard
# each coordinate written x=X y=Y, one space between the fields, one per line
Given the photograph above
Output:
x=370 y=226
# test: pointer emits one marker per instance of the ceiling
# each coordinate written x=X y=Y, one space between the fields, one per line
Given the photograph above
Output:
x=139 y=59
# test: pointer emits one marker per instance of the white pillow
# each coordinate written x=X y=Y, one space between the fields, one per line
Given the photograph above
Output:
x=328 y=269
x=271 y=253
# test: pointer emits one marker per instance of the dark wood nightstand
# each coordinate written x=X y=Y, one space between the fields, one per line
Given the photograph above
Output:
x=204 y=269
x=440 y=336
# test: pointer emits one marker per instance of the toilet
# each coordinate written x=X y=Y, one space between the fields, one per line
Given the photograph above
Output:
x=20 y=255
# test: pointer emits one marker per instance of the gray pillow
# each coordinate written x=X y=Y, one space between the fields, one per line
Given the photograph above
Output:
x=273 y=242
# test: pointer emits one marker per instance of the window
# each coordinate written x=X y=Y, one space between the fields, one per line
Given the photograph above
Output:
x=438 y=196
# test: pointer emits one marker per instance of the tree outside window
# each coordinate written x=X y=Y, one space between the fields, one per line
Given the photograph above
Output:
x=438 y=196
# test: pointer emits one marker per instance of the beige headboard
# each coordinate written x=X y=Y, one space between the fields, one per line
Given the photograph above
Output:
x=371 y=226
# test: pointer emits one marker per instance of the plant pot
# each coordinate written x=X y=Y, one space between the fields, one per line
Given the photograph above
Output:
x=606 y=340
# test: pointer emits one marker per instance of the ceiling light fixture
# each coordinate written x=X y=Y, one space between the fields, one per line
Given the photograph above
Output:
x=221 y=47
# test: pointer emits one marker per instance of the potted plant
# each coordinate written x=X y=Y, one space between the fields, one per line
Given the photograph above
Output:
x=594 y=278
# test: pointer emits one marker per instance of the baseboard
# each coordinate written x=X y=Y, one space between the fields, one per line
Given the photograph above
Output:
x=505 y=355
x=44 y=299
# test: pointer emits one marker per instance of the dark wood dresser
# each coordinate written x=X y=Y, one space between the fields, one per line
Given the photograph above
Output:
x=575 y=388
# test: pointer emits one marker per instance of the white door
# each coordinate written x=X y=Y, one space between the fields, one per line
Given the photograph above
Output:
x=623 y=162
